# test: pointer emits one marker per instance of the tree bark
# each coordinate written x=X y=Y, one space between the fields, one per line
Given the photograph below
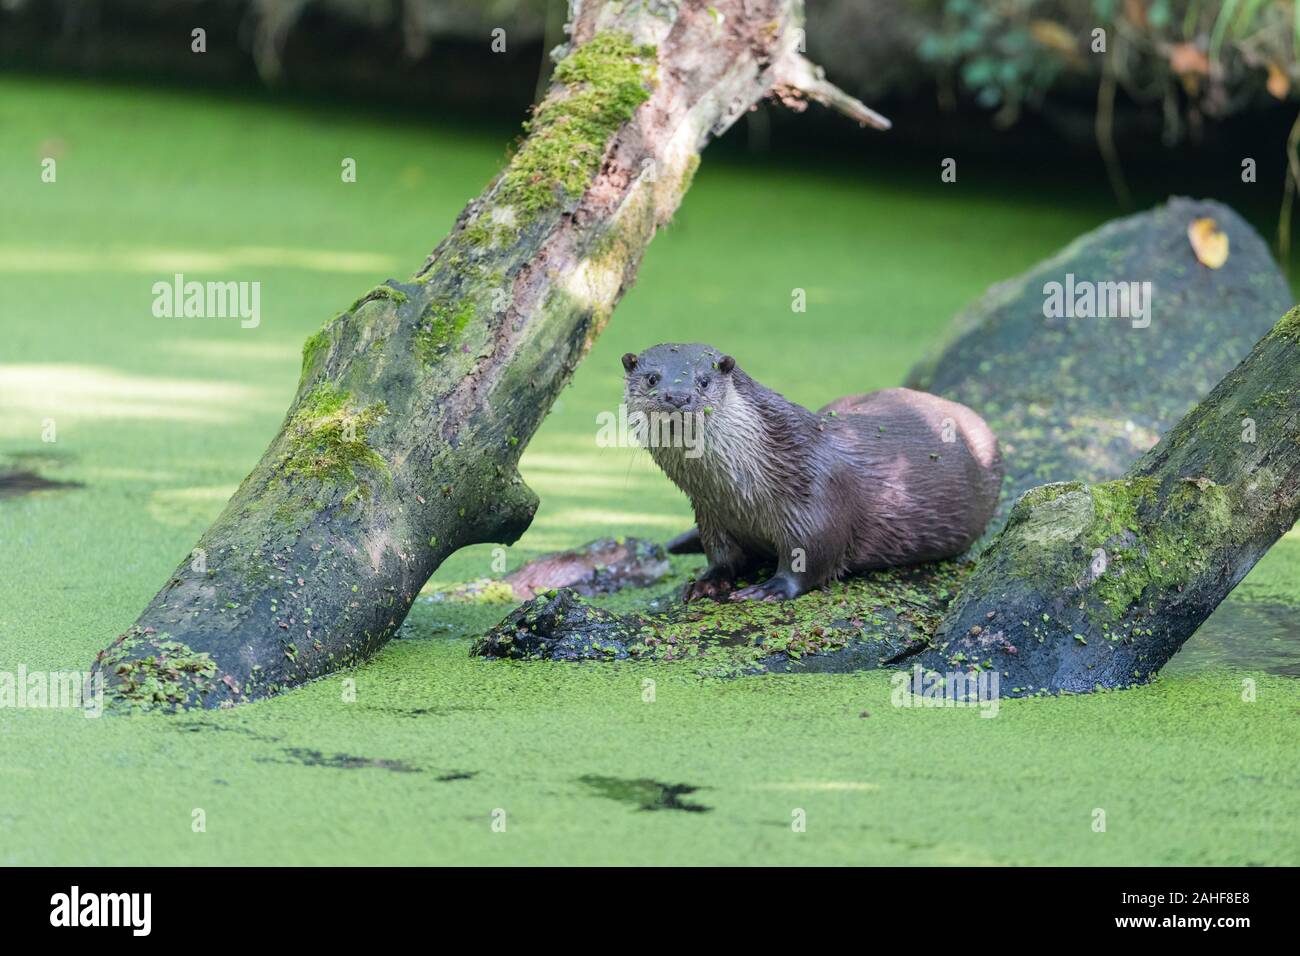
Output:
x=415 y=405
x=1092 y=586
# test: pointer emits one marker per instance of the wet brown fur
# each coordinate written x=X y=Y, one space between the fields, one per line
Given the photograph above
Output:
x=867 y=482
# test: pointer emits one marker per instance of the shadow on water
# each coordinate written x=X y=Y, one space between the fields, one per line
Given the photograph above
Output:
x=15 y=483
x=646 y=794
x=1244 y=634
x=314 y=758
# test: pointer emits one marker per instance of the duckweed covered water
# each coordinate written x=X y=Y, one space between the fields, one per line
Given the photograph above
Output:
x=414 y=757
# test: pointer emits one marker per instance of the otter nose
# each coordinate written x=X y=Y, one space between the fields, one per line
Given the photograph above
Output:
x=676 y=399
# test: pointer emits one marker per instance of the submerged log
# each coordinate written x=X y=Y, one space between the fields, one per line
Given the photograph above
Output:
x=414 y=405
x=863 y=622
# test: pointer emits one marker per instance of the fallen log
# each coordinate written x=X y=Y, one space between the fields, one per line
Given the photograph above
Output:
x=415 y=404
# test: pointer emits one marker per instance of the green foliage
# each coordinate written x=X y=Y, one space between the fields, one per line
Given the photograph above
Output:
x=1210 y=56
x=996 y=57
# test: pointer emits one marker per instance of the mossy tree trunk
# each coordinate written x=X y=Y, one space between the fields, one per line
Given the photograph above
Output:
x=414 y=405
x=1098 y=585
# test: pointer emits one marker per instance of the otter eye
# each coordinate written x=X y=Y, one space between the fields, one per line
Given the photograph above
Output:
x=652 y=379
x=704 y=382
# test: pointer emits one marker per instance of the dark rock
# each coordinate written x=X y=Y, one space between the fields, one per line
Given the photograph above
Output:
x=1080 y=399
x=558 y=625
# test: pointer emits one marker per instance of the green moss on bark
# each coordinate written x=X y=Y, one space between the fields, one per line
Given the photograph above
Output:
x=1288 y=327
x=327 y=438
x=313 y=349
x=607 y=78
x=1148 y=542
x=1115 y=508
x=380 y=292
x=1103 y=546
x=1050 y=492
x=440 y=327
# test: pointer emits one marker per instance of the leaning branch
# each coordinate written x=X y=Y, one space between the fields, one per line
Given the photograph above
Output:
x=799 y=79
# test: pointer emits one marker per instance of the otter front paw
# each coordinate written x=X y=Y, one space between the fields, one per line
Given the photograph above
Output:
x=709 y=585
x=776 y=588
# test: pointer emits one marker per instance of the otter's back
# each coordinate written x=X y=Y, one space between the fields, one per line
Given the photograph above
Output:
x=931 y=472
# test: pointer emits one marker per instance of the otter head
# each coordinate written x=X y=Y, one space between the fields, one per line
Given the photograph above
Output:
x=673 y=378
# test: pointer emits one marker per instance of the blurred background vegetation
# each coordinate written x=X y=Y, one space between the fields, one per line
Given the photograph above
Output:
x=1195 y=61
x=1211 y=78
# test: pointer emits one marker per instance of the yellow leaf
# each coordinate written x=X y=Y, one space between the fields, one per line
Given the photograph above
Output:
x=1209 y=244
x=1053 y=36
x=1279 y=84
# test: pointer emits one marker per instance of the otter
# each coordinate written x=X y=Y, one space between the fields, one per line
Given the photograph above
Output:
x=884 y=479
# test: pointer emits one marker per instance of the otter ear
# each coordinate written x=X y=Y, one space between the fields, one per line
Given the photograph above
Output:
x=726 y=364
x=629 y=361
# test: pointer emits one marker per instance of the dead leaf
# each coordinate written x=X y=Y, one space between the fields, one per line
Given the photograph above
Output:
x=1279 y=84
x=1209 y=244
